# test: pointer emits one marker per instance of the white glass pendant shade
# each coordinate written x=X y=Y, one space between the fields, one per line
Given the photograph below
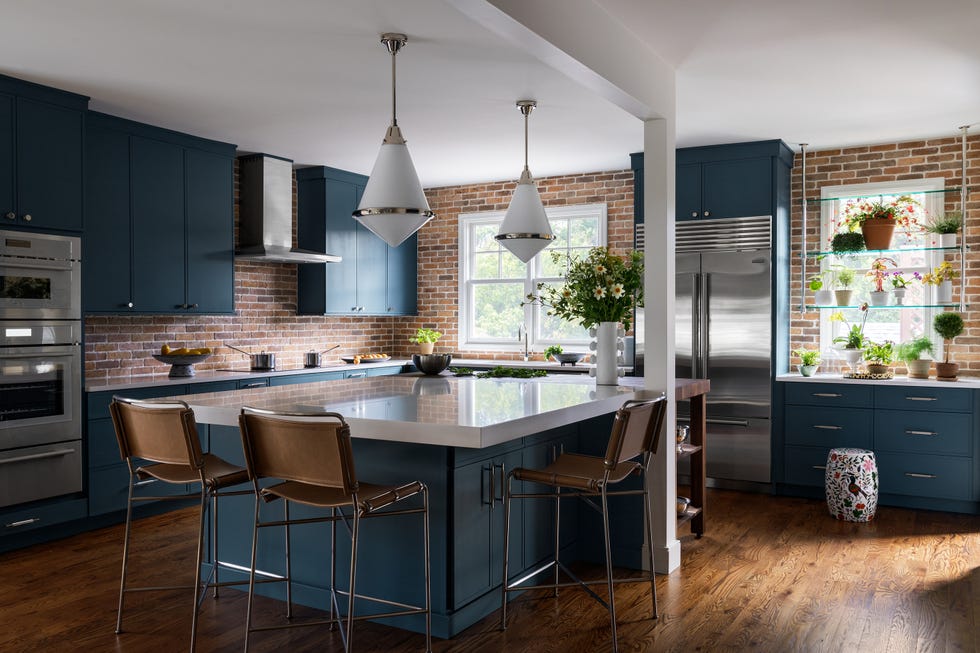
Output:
x=525 y=230
x=393 y=205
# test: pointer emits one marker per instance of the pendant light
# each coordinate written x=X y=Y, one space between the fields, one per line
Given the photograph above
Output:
x=393 y=205
x=525 y=230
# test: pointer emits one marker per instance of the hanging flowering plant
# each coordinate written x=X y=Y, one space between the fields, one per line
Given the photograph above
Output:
x=601 y=287
x=903 y=210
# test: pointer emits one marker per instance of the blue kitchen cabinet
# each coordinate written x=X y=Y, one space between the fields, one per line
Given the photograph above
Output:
x=539 y=514
x=313 y=377
x=160 y=220
x=372 y=279
x=41 y=157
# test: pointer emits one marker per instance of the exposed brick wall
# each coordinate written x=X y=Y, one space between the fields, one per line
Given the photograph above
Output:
x=265 y=293
x=933 y=158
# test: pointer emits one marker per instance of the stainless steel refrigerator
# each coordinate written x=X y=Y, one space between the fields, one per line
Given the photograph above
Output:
x=723 y=333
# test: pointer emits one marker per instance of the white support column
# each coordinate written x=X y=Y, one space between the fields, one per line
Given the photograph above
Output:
x=658 y=364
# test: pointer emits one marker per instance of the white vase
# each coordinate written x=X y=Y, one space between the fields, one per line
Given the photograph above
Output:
x=607 y=347
x=879 y=298
x=947 y=240
x=852 y=356
x=899 y=295
x=824 y=298
x=944 y=293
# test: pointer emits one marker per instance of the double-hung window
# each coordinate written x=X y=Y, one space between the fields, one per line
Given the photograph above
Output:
x=493 y=283
x=913 y=253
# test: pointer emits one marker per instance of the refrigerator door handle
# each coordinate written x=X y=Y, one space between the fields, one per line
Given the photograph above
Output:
x=704 y=323
x=696 y=327
x=744 y=423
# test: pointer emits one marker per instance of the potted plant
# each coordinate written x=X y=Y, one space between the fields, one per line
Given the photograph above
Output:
x=822 y=296
x=900 y=285
x=910 y=352
x=879 y=356
x=879 y=274
x=948 y=326
x=552 y=352
x=877 y=219
x=809 y=361
x=847 y=242
x=844 y=277
x=942 y=278
x=426 y=340
x=945 y=227
x=853 y=343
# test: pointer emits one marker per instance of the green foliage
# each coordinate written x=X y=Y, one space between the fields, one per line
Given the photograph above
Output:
x=599 y=288
x=882 y=354
x=808 y=356
x=500 y=372
x=948 y=325
x=848 y=241
x=552 y=350
x=845 y=277
x=425 y=335
x=816 y=282
x=912 y=350
x=947 y=223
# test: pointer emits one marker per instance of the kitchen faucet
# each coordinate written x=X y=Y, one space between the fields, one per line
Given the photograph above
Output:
x=522 y=333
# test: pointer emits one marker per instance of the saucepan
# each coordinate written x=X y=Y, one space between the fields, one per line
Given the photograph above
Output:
x=260 y=361
x=312 y=358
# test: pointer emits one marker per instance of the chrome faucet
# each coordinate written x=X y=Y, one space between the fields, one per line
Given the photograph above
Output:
x=522 y=333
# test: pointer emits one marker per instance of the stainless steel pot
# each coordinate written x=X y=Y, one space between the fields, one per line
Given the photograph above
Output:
x=261 y=361
x=312 y=358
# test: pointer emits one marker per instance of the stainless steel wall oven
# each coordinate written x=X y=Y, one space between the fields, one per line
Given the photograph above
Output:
x=40 y=367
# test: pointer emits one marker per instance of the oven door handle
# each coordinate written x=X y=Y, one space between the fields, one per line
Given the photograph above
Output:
x=35 y=263
x=37 y=456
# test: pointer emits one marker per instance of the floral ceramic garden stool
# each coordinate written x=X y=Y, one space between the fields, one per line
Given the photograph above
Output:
x=852 y=484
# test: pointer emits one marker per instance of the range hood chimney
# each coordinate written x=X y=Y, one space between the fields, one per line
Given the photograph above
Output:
x=265 y=230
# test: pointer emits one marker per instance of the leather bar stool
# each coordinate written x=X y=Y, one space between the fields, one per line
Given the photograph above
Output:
x=634 y=439
x=158 y=440
x=309 y=457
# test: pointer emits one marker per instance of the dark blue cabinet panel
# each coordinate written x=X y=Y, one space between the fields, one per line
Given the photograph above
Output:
x=210 y=191
x=106 y=247
x=49 y=165
x=7 y=207
x=159 y=236
x=158 y=225
x=735 y=189
x=924 y=398
x=373 y=278
x=829 y=395
x=688 y=192
x=817 y=426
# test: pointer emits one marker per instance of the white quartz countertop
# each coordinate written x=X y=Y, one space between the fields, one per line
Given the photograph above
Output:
x=970 y=382
x=439 y=410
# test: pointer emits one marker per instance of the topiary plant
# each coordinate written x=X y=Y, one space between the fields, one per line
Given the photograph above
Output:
x=948 y=326
x=850 y=241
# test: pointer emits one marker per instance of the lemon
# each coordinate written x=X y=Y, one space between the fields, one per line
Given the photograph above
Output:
x=165 y=350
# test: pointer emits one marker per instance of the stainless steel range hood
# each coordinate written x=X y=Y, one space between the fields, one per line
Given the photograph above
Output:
x=265 y=231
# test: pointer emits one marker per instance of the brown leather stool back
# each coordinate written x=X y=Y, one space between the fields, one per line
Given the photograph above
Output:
x=636 y=430
x=311 y=452
x=149 y=433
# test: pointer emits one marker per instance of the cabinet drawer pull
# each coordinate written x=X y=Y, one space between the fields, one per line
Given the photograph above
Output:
x=492 y=491
x=23 y=522
x=929 y=433
x=828 y=427
x=503 y=484
x=822 y=468
x=923 y=398
x=356 y=375
x=144 y=483
x=259 y=384
x=917 y=475
x=831 y=395
x=38 y=456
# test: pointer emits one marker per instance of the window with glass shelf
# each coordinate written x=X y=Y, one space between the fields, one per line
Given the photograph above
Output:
x=912 y=254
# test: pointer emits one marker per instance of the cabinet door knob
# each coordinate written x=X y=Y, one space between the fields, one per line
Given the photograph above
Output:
x=27 y=217
x=10 y=216
x=707 y=214
x=129 y=304
x=694 y=214
x=190 y=305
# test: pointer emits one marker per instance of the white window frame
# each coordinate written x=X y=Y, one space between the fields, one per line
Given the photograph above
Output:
x=829 y=210
x=531 y=312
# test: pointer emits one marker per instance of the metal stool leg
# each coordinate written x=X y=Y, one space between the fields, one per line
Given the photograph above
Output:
x=289 y=567
x=557 y=533
x=503 y=587
x=609 y=575
x=334 y=614
x=648 y=516
x=251 y=573
x=125 y=560
x=197 y=566
x=428 y=577
x=353 y=574
x=214 y=542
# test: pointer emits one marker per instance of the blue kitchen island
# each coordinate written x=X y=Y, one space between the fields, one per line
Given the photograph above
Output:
x=460 y=436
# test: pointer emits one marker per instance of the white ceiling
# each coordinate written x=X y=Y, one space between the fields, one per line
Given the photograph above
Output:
x=309 y=80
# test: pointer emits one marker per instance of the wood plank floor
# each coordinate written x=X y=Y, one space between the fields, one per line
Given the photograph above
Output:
x=771 y=574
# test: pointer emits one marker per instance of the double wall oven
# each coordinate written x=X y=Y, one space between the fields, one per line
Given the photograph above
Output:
x=40 y=367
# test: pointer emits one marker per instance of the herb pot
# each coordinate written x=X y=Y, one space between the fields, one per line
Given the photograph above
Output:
x=843 y=297
x=899 y=295
x=947 y=240
x=878 y=298
x=877 y=368
x=824 y=298
x=807 y=370
x=946 y=371
x=425 y=348
x=919 y=368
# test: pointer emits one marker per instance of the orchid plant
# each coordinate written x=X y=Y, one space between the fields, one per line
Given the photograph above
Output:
x=943 y=272
x=900 y=282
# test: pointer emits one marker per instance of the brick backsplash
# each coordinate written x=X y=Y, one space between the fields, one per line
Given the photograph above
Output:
x=941 y=157
x=265 y=293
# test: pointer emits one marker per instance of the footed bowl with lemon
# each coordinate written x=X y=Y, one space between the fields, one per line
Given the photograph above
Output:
x=182 y=359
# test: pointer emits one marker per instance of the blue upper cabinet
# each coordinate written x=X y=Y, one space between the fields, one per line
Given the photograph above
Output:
x=41 y=156
x=372 y=279
x=160 y=220
x=724 y=181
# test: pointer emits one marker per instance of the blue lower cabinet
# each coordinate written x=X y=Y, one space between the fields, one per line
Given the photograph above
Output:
x=20 y=520
x=923 y=398
x=818 y=427
x=942 y=477
x=314 y=377
x=539 y=514
x=829 y=395
x=805 y=465
x=924 y=432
